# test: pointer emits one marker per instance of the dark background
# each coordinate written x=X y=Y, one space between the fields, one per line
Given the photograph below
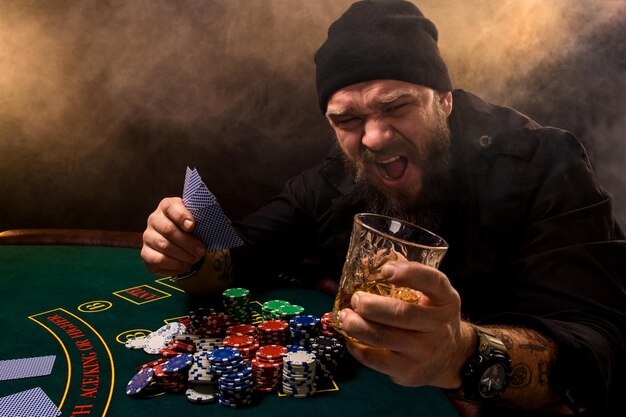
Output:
x=104 y=103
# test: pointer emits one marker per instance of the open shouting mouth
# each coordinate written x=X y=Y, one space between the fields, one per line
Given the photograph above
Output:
x=392 y=168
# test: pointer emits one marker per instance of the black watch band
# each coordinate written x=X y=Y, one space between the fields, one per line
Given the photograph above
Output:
x=485 y=375
x=191 y=272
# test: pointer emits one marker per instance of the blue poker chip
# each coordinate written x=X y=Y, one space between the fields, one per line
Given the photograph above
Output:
x=304 y=320
x=178 y=363
x=245 y=371
x=224 y=354
x=240 y=383
x=228 y=378
x=140 y=381
x=237 y=386
x=295 y=348
x=237 y=380
x=229 y=404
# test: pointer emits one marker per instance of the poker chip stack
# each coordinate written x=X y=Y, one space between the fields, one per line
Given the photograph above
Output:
x=327 y=326
x=207 y=344
x=180 y=346
x=236 y=388
x=172 y=375
x=298 y=378
x=280 y=310
x=267 y=367
x=152 y=364
x=196 y=316
x=200 y=370
x=273 y=332
x=234 y=377
x=329 y=352
x=220 y=356
x=237 y=304
x=270 y=309
x=289 y=311
x=302 y=328
x=242 y=330
x=215 y=324
x=246 y=345
x=186 y=337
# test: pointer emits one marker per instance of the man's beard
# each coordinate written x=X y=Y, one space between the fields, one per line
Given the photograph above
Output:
x=424 y=209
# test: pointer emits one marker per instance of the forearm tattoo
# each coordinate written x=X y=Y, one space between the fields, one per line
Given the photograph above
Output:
x=222 y=265
x=532 y=355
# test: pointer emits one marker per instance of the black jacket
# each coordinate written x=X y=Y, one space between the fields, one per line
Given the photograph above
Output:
x=532 y=240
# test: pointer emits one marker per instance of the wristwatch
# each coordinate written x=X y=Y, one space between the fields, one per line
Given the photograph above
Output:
x=486 y=374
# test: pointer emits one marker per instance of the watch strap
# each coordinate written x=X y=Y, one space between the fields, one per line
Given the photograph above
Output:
x=191 y=272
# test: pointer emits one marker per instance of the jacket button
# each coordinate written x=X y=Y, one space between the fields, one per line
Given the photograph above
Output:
x=485 y=141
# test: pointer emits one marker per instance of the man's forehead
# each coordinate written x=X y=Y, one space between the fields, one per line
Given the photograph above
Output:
x=378 y=91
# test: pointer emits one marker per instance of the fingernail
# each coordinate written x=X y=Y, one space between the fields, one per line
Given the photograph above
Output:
x=342 y=315
x=354 y=301
x=388 y=269
x=200 y=251
x=187 y=224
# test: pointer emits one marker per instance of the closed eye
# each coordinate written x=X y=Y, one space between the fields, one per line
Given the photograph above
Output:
x=346 y=123
x=395 y=107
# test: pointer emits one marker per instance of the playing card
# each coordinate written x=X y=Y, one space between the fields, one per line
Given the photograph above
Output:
x=26 y=367
x=29 y=403
x=212 y=226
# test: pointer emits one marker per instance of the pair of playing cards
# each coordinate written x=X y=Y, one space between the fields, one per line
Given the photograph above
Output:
x=212 y=226
x=32 y=402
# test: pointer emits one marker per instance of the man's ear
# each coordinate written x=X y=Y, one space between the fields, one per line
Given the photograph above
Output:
x=445 y=102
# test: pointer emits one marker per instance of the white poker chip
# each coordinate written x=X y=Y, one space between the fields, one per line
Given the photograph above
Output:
x=135 y=343
x=158 y=339
x=202 y=394
x=300 y=358
x=154 y=343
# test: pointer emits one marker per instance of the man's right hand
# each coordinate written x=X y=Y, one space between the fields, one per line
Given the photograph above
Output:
x=168 y=247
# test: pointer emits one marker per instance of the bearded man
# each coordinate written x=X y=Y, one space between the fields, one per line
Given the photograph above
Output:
x=535 y=256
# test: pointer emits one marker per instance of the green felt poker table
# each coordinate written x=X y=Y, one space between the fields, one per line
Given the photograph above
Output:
x=81 y=303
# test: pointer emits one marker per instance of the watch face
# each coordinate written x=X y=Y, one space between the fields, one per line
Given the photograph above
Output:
x=492 y=381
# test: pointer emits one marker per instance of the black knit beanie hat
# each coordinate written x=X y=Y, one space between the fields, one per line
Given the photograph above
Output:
x=380 y=39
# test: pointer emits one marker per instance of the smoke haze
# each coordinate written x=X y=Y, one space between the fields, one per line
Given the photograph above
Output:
x=104 y=104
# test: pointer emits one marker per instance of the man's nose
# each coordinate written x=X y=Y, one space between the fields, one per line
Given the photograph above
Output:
x=377 y=134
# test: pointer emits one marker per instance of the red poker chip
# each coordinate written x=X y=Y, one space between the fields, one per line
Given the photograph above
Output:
x=271 y=352
x=158 y=371
x=203 y=331
x=169 y=352
x=152 y=364
x=267 y=380
x=239 y=341
x=182 y=346
x=267 y=372
x=242 y=329
x=273 y=325
x=264 y=365
x=268 y=388
x=252 y=349
x=264 y=360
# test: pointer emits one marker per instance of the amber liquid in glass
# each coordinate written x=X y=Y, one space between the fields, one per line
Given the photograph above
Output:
x=378 y=287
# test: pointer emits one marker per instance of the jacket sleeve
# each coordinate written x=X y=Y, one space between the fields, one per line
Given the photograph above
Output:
x=570 y=266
